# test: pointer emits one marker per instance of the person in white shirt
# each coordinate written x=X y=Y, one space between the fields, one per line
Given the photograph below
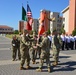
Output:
x=67 y=42
x=72 y=41
x=63 y=40
x=75 y=41
x=50 y=38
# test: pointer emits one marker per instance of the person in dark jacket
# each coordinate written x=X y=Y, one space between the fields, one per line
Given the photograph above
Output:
x=14 y=47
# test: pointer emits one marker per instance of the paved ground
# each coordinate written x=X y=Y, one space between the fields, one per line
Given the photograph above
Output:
x=67 y=64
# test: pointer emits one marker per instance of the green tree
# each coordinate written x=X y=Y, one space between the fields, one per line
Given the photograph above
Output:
x=16 y=32
x=62 y=30
x=74 y=32
x=49 y=32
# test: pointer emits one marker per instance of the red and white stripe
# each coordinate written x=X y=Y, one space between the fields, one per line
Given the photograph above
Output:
x=29 y=14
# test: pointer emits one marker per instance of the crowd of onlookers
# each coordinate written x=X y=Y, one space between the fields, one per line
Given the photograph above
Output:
x=68 y=41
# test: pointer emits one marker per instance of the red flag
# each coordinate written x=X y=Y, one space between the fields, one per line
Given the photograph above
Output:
x=28 y=27
x=42 y=26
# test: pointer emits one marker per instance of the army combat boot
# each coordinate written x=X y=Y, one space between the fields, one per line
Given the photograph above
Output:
x=33 y=62
x=22 y=68
x=55 y=64
x=49 y=70
x=28 y=67
x=39 y=70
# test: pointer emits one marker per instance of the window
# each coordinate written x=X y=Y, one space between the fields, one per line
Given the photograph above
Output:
x=37 y=24
x=58 y=25
x=5 y=29
x=58 y=16
x=57 y=20
x=63 y=19
x=60 y=20
x=37 y=21
x=11 y=29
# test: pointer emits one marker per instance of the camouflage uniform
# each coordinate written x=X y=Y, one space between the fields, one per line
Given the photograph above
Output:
x=24 y=50
x=14 y=47
x=39 y=48
x=56 y=46
x=33 y=49
x=45 y=52
x=18 y=47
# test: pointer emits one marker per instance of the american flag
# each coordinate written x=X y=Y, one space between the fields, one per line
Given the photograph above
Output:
x=29 y=18
x=29 y=13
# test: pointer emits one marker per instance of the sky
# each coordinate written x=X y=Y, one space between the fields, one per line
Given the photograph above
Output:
x=11 y=10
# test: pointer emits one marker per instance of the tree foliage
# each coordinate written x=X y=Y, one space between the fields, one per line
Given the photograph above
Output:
x=62 y=30
x=49 y=32
x=16 y=32
x=74 y=32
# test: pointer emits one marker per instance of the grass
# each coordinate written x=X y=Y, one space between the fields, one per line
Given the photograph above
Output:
x=11 y=35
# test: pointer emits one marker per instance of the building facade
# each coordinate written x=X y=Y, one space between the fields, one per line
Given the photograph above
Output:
x=72 y=15
x=21 y=26
x=66 y=19
x=57 y=24
x=35 y=25
x=69 y=14
x=6 y=29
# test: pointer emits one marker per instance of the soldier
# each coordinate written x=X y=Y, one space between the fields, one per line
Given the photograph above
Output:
x=72 y=40
x=75 y=41
x=14 y=48
x=45 y=52
x=39 y=40
x=18 y=47
x=56 y=46
x=24 y=49
x=67 y=41
x=33 y=49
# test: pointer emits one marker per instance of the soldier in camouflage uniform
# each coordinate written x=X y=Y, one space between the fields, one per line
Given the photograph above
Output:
x=18 y=47
x=39 y=40
x=56 y=46
x=14 y=48
x=33 y=49
x=45 y=52
x=24 y=49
